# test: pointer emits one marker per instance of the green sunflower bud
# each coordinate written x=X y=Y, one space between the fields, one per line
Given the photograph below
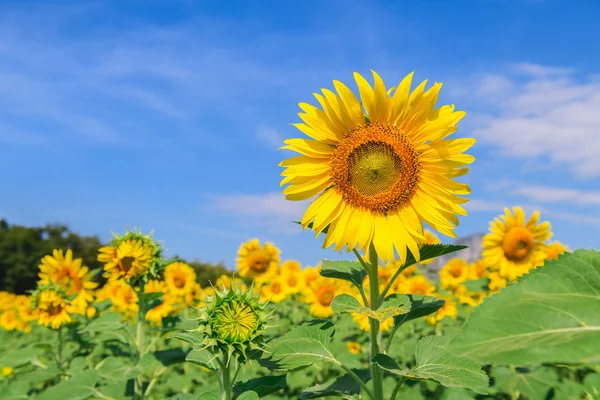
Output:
x=232 y=322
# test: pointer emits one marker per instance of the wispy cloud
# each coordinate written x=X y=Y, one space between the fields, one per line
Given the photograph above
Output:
x=269 y=211
x=542 y=112
x=269 y=136
x=550 y=194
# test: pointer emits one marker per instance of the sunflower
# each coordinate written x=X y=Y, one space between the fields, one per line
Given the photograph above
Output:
x=478 y=270
x=497 y=282
x=365 y=325
x=417 y=284
x=293 y=281
x=554 y=249
x=353 y=347
x=310 y=275
x=180 y=278
x=6 y=371
x=290 y=266
x=430 y=238
x=382 y=175
x=257 y=262
x=514 y=246
x=320 y=295
x=70 y=275
x=9 y=319
x=274 y=291
x=447 y=310
x=225 y=281
x=53 y=307
x=455 y=272
x=129 y=259
x=164 y=309
x=124 y=299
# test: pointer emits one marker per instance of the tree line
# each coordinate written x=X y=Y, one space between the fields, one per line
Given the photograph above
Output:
x=22 y=248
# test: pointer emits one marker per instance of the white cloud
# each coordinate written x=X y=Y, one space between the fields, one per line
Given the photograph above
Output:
x=549 y=194
x=269 y=136
x=270 y=211
x=550 y=114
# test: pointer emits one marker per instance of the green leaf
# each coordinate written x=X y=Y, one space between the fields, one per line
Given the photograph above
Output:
x=115 y=369
x=351 y=271
x=395 y=304
x=79 y=387
x=203 y=358
x=534 y=384
x=420 y=306
x=208 y=396
x=109 y=321
x=477 y=285
x=263 y=386
x=170 y=356
x=250 y=395
x=187 y=337
x=434 y=362
x=303 y=345
x=550 y=316
x=19 y=357
x=591 y=382
x=344 y=385
x=432 y=251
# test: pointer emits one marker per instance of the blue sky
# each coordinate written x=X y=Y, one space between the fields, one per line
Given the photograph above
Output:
x=167 y=115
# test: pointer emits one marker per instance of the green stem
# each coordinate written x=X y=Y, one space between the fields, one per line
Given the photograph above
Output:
x=376 y=373
x=359 y=381
x=364 y=264
x=397 y=388
x=139 y=340
x=389 y=342
x=59 y=359
x=226 y=395
x=391 y=282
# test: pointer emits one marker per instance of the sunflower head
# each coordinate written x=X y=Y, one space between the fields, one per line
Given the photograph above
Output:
x=180 y=278
x=378 y=176
x=131 y=256
x=232 y=322
x=256 y=261
x=53 y=305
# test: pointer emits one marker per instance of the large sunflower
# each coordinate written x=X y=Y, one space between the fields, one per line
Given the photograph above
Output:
x=259 y=262
x=379 y=175
x=514 y=245
x=68 y=272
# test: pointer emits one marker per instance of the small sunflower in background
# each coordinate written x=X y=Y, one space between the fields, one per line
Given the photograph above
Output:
x=180 y=279
x=417 y=284
x=130 y=256
x=165 y=308
x=320 y=294
x=381 y=173
x=53 y=306
x=293 y=281
x=449 y=309
x=455 y=272
x=354 y=347
x=363 y=323
x=290 y=266
x=274 y=291
x=515 y=245
x=256 y=261
x=310 y=274
x=478 y=270
x=69 y=273
x=124 y=299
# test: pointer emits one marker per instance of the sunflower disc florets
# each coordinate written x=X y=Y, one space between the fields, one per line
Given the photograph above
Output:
x=53 y=305
x=131 y=256
x=232 y=322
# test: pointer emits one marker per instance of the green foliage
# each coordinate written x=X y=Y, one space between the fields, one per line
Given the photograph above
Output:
x=351 y=271
x=393 y=305
x=551 y=315
x=22 y=248
x=343 y=386
x=262 y=386
x=433 y=362
x=207 y=273
x=420 y=306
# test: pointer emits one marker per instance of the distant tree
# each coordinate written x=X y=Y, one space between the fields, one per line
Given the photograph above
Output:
x=207 y=273
x=22 y=248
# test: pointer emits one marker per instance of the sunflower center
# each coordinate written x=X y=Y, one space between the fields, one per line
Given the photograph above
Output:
x=376 y=167
x=292 y=281
x=419 y=288
x=325 y=296
x=179 y=281
x=518 y=243
x=69 y=281
x=235 y=321
x=456 y=271
x=276 y=287
x=127 y=263
x=258 y=261
x=54 y=309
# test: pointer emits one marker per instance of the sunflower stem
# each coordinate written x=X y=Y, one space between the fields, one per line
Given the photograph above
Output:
x=364 y=264
x=376 y=373
x=226 y=395
x=139 y=340
x=59 y=360
x=397 y=388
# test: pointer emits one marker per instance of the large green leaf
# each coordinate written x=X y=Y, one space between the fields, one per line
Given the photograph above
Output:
x=203 y=358
x=303 y=346
x=107 y=322
x=343 y=386
x=420 y=306
x=591 y=382
x=534 y=384
x=393 y=305
x=79 y=387
x=434 y=362
x=429 y=251
x=249 y=395
x=550 y=316
x=263 y=386
x=115 y=369
x=351 y=271
x=19 y=357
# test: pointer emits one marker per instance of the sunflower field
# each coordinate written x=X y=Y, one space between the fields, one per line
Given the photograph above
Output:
x=521 y=322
